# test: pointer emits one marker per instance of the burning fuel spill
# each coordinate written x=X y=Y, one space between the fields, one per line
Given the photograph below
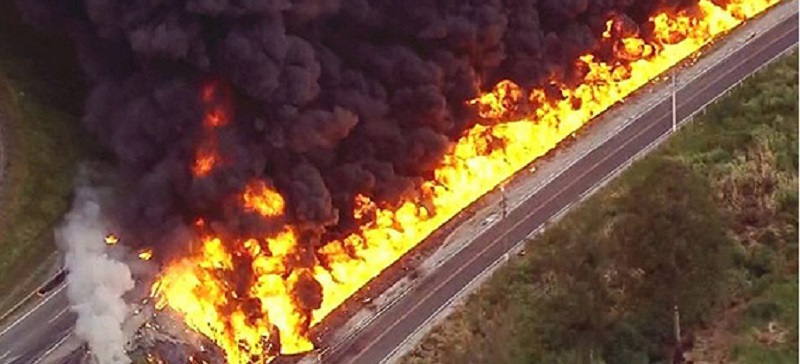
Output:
x=276 y=156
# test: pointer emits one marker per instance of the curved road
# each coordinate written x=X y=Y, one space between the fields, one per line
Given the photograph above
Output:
x=35 y=334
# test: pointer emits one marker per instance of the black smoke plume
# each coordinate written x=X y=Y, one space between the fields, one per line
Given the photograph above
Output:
x=330 y=98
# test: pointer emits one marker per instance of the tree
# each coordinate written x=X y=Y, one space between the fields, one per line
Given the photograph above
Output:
x=672 y=247
x=571 y=310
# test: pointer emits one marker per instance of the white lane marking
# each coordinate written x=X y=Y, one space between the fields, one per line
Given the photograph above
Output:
x=348 y=337
x=647 y=107
x=582 y=197
x=27 y=298
x=59 y=314
x=53 y=348
x=5 y=354
x=48 y=298
x=484 y=249
x=563 y=210
x=474 y=258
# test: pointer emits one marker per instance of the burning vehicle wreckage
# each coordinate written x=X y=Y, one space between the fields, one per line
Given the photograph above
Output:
x=274 y=157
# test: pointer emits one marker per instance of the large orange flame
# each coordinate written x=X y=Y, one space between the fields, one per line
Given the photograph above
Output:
x=481 y=159
x=263 y=199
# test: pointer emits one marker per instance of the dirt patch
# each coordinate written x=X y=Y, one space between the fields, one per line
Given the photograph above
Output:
x=714 y=344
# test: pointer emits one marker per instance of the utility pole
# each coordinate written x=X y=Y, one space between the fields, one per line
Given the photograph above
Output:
x=677 y=321
x=678 y=354
x=674 y=101
x=503 y=202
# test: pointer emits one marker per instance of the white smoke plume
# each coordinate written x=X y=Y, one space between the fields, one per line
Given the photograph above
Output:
x=96 y=282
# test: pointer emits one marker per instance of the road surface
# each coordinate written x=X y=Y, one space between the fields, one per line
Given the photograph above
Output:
x=29 y=338
x=380 y=339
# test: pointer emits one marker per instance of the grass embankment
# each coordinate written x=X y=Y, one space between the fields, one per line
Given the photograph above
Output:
x=706 y=223
x=41 y=94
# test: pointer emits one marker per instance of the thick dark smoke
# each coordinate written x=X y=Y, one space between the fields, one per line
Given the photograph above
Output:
x=330 y=97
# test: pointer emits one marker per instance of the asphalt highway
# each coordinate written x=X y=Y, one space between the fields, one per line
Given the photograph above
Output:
x=34 y=334
x=379 y=340
x=37 y=332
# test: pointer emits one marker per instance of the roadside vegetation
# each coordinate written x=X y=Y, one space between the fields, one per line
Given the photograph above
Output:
x=706 y=224
x=41 y=94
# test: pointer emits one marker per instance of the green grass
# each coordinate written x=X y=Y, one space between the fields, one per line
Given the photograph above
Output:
x=41 y=94
x=777 y=304
x=561 y=303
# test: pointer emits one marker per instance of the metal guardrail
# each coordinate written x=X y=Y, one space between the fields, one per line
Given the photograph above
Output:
x=520 y=245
